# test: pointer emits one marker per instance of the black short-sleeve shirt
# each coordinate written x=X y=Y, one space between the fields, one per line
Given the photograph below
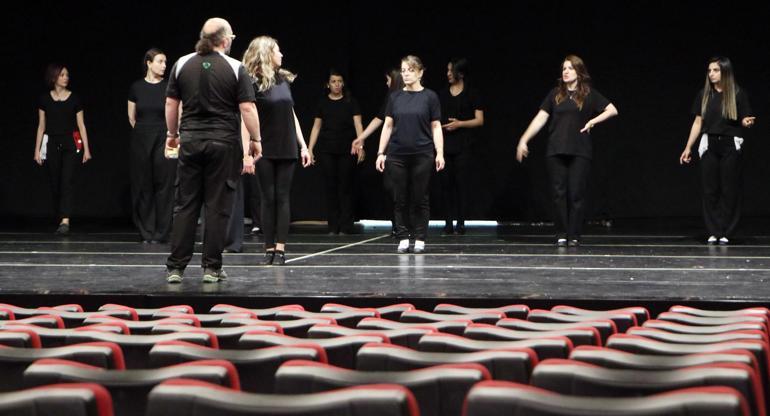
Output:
x=412 y=113
x=337 y=128
x=150 y=100
x=276 y=121
x=566 y=121
x=60 y=116
x=462 y=107
x=210 y=87
x=713 y=121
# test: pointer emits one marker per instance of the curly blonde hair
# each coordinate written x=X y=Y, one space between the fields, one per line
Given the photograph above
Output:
x=258 y=60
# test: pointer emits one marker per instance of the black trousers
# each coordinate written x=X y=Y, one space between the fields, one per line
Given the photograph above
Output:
x=61 y=160
x=152 y=182
x=275 y=176
x=234 y=232
x=251 y=194
x=207 y=173
x=721 y=170
x=338 y=179
x=454 y=181
x=569 y=180
x=410 y=180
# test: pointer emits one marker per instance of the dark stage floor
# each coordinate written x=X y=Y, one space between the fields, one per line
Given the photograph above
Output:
x=505 y=264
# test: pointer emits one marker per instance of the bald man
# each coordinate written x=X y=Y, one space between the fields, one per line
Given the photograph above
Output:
x=212 y=154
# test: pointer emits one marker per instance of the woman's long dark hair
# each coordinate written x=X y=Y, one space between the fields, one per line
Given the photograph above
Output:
x=583 y=82
x=459 y=68
x=52 y=72
x=729 y=88
x=396 y=82
x=149 y=56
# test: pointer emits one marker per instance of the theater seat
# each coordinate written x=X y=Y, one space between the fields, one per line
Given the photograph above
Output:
x=13 y=361
x=256 y=367
x=195 y=398
x=762 y=311
x=347 y=318
x=295 y=328
x=456 y=327
x=144 y=327
x=640 y=313
x=622 y=320
x=510 y=311
x=265 y=313
x=418 y=316
x=227 y=337
x=205 y=319
x=385 y=312
x=512 y=364
x=666 y=336
x=341 y=351
x=582 y=379
x=57 y=337
x=129 y=388
x=408 y=337
x=72 y=315
x=558 y=347
x=74 y=399
x=439 y=390
x=45 y=321
x=148 y=313
x=685 y=319
x=605 y=326
x=578 y=336
x=498 y=398
x=703 y=330
x=20 y=338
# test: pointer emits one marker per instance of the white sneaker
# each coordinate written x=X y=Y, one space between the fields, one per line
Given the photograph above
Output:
x=723 y=240
x=711 y=240
x=419 y=246
x=403 y=246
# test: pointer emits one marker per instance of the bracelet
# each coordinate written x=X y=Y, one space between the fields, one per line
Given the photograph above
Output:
x=172 y=135
x=251 y=139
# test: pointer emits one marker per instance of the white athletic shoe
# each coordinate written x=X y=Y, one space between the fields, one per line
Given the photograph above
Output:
x=711 y=240
x=403 y=246
x=419 y=247
x=724 y=241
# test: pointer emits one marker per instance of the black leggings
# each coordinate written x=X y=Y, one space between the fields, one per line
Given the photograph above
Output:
x=275 y=176
x=338 y=180
x=410 y=179
x=62 y=159
x=569 y=178
x=454 y=186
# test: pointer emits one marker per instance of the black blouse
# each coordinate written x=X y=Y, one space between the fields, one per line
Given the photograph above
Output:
x=566 y=121
x=276 y=121
x=60 y=116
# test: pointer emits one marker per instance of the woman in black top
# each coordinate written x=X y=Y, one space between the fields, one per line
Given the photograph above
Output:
x=411 y=136
x=60 y=120
x=281 y=142
x=337 y=123
x=576 y=108
x=721 y=110
x=395 y=83
x=152 y=174
x=461 y=114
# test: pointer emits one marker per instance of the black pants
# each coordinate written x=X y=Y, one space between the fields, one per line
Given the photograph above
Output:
x=454 y=180
x=338 y=178
x=62 y=160
x=252 y=191
x=569 y=179
x=721 y=182
x=234 y=232
x=207 y=173
x=275 y=176
x=152 y=182
x=410 y=180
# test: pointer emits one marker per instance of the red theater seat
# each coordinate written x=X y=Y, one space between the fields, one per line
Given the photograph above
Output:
x=418 y=316
x=347 y=318
x=439 y=390
x=641 y=313
x=510 y=311
x=74 y=399
x=498 y=398
x=148 y=313
x=666 y=336
x=408 y=337
x=605 y=327
x=622 y=320
x=513 y=364
x=295 y=328
x=456 y=327
x=762 y=311
x=685 y=319
x=704 y=330
x=557 y=347
x=227 y=337
x=385 y=312
x=266 y=313
x=578 y=336
x=195 y=398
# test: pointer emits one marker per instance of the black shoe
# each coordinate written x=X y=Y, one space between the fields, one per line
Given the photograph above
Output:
x=231 y=250
x=269 y=258
x=280 y=258
x=448 y=230
x=573 y=243
x=460 y=229
x=63 y=229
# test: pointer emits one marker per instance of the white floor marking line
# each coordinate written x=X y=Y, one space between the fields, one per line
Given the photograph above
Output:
x=336 y=248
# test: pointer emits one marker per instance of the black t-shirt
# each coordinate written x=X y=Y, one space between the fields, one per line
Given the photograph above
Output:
x=566 y=121
x=210 y=87
x=60 y=116
x=337 y=128
x=276 y=121
x=150 y=100
x=412 y=113
x=713 y=122
x=462 y=107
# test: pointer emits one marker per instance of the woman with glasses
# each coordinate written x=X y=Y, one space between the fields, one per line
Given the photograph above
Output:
x=721 y=111
x=411 y=144
x=152 y=174
x=60 y=123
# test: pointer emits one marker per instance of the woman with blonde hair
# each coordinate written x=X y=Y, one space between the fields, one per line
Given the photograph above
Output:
x=721 y=111
x=282 y=141
x=576 y=108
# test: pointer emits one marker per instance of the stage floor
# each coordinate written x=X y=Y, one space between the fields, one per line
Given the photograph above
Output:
x=503 y=264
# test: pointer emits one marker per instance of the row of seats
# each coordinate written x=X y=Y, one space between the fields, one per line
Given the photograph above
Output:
x=568 y=351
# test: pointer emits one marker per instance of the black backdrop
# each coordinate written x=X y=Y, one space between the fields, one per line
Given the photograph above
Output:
x=648 y=57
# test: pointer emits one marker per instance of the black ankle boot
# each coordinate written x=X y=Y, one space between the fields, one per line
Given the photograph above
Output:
x=280 y=258
x=269 y=257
